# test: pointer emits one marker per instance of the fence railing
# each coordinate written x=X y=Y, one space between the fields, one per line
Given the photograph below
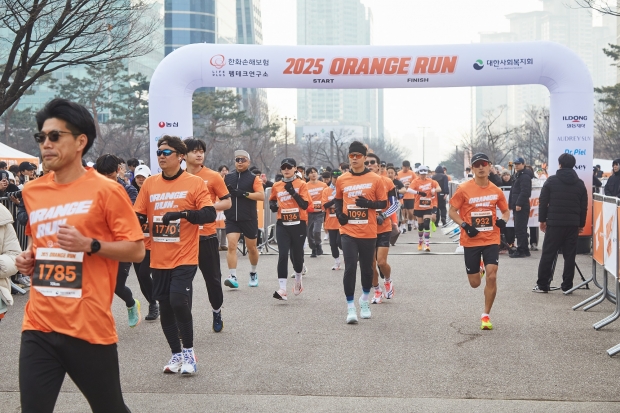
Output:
x=19 y=228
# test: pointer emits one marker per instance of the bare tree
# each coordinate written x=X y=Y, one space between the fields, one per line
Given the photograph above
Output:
x=492 y=139
x=601 y=6
x=48 y=35
x=606 y=133
x=387 y=151
x=333 y=151
x=533 y=142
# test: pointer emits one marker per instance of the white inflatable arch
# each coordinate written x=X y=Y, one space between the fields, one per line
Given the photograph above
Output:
x=374 y=67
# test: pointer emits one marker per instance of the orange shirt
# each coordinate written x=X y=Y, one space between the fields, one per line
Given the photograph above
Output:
x=316 y=193
x=289 y=211
x=407 y=178
x=177 y=243
x=477 y=206
x=331 y=222
x=217 y=190
x=362 y=221
x=72 y=292
x=427 y=186
x=387 y=223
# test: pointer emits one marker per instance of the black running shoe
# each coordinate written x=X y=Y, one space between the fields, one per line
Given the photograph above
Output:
x=409 y=227
x=319 y=251
x=153 y=312
x=218 y=324
x=313 y=255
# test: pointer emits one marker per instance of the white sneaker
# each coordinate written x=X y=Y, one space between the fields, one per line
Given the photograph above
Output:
x=305 y=270
x=364 y=308
x=23 y=280
x=336 y=266
x=352 y=316
x=376 y=298
x=189 y=362
x=175 y=363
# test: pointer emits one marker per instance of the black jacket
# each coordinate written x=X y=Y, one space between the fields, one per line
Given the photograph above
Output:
x=521 y=189
x=563 y=200
x=242 y=209
x=495 y=178
x=442 y=180
x=612 y=187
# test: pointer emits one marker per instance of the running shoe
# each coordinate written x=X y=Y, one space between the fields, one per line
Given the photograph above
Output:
x=298 y=288
x=304 y=270
x=175 y=363
x=427 y=248
x=319 y=250
x=231 y=282
x=336 y=266
x=537 y=289
x=486 y=323
x=253 y=280
x=280 y=295
x=420 y=246
x=22 y=280
x=410 y=228
x=534 y=247
x=482 y=271
x=153 y=312
x=376 y=299
x=218 y=324
x=364 y=308
x=313 y=254
x=389 y=289
x=352 y=316
x=189 y=362
x=134 y=314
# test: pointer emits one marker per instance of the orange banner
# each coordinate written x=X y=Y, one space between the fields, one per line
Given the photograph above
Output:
x=599 y=232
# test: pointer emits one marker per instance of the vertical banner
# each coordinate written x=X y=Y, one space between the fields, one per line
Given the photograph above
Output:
x=534 y=206
x=610 y=246
x=618 y=245
x=598 y=237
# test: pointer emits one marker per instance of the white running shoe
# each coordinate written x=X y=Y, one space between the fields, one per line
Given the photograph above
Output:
x=376 y=299
x=336 y=266
x=389 y=289
x=298 y=288
x=352 y=316
x=280 y=295
x=189 y=361
x=305 y=270
x=175 y=363
x=364 y=308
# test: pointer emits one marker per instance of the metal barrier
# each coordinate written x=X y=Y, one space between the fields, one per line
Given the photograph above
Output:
x=20 y=230
x=268 y=232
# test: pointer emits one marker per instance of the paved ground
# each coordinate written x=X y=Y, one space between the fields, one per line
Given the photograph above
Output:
x=422 y=351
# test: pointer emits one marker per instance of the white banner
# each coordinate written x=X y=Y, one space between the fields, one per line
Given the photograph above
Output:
x=610 y=242
x=534 y=203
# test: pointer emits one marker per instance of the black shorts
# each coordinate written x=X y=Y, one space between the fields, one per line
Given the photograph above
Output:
x=489 y=254
x=421 y=212
x=249 y=229
x=383 y=239
x=408 y=203
x=176 y=280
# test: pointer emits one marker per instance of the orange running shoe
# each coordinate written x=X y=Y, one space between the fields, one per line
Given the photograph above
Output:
x=486 y=323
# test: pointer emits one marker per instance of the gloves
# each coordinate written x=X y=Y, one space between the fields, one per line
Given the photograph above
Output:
x=290 y=188
x=172 y=216
x=343 y=219
x=273 y=206
x=142 y=218
x=237 y=193
x=471 y=231
x=329 y=204
x=362 y=202
x=500 y=223
x=434 y=211
x=422 y=193
x=380 y=218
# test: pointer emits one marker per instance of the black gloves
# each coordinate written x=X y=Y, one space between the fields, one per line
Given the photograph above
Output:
x=290 y=188
x=365 y=203
x=273 y=205
x=142 y=218
x=434 y=211
x=237 y=193
x=500 y=223
x=471 y=231
x=343 y=219
x=422 y=193
x=172 y=216
x=329 y=204
x=380 y=218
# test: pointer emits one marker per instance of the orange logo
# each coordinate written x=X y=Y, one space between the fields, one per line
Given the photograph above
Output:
x=219 y=61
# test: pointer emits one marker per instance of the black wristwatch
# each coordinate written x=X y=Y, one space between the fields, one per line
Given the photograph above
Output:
x=95 y=246
x=463 y=224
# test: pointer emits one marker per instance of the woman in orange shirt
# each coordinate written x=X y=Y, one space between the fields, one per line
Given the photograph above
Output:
x=332 y=226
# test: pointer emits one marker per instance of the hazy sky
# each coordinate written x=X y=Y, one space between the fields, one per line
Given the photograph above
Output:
x=446 y=112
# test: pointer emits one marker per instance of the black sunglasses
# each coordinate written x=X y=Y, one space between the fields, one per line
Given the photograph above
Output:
x=240 y=160
x=286 y=167
x=371 y=162
x=53 y=136
x=165 y=152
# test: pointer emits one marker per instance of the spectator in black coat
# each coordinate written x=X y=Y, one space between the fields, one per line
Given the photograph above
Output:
x=562 y=216
x=519 y=202
x=442 y=180
x=495 y=177
x=596 y=183
x=612 y=187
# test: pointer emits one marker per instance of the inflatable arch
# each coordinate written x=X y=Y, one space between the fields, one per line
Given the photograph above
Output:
x=374 y=67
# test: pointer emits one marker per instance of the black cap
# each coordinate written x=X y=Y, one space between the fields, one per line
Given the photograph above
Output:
x=383 y=163
x=26 y=166
x=288 y=161
x=519 y=160
x=479 y=157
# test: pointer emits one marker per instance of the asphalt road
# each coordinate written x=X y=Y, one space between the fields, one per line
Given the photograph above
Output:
x=421 y=351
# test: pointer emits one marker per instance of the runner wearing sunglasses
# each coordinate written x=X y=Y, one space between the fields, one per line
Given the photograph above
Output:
x=245 y=189
x=80 y=226
x=424 y=190
x=331 y=225
x=359 y=194
x=175 y=203
x=291 y=201
x=384 y=230
x=474 y=207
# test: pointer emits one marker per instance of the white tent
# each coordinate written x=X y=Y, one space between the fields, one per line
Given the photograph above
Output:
x=14 y=157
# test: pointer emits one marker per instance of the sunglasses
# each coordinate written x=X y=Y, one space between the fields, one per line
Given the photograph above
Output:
x=371 y=162
x=241 y=160
x=478 y=164
x=286 y=167
x=336 y=173
x=165 y=152
x=53 y=136
x=355 y=156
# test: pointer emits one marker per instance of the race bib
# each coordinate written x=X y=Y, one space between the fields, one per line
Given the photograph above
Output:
x=145 y=230
x=290 y=216
x=482 y=220
x=166 y=233
x=58 y=273
x=357 y=215
x=317 y=205
x=425 y=202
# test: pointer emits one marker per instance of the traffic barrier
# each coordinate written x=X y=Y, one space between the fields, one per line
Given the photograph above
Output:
x=20 y=230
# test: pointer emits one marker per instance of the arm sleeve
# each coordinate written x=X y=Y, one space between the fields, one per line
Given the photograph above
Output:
x=204 y=215
x=393 y=204
x=338 y=204
x=543 y=204
x=303 y=204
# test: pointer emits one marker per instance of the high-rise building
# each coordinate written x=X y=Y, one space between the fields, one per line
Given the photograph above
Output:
x=147 y=64
x=336 y=22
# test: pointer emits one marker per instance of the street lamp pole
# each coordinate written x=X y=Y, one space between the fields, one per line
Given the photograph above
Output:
x=423 y=143
x=286 y=119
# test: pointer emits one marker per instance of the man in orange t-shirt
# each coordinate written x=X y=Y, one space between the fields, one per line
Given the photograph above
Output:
x=474 y=207
x=315 y=219
x=208 y=249
x=80 y=226
x=331 y=225
x=175 y=203
x=291 y=201
x=424 y=190
x=359 y=193
x=407 y=176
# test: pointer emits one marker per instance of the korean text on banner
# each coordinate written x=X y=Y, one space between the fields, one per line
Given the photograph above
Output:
x=598 y=238
x=610 y=247
x=534 y=204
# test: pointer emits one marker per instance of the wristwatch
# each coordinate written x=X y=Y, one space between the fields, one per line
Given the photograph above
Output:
x=463 y=224
x=95 y=246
